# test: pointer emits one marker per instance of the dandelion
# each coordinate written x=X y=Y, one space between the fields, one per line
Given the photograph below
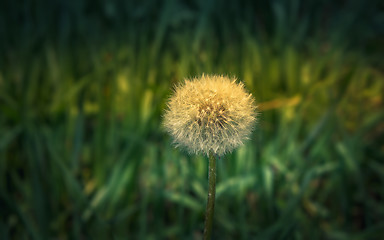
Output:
x=211 y=115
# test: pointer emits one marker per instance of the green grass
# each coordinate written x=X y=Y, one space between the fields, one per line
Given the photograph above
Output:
x=83 y=86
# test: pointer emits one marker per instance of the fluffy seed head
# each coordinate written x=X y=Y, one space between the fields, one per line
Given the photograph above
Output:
x=210 y=113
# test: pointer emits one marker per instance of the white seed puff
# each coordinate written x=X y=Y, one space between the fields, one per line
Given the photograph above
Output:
x=210 y=113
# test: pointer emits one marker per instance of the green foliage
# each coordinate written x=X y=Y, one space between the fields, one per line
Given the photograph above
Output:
x=83 y=86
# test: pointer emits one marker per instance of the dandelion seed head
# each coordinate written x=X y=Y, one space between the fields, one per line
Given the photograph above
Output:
x=210 y=113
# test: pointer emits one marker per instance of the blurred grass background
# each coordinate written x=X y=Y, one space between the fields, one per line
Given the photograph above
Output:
x=83 y=85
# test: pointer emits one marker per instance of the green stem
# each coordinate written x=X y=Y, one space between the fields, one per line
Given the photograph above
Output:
x=211 y=197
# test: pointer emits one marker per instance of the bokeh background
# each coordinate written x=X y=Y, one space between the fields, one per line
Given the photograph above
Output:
x=83 y=85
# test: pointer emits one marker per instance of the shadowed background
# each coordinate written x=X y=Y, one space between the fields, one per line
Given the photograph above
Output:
x=83 y=85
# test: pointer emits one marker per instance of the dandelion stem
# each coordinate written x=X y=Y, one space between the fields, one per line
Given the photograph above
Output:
x=211 y=196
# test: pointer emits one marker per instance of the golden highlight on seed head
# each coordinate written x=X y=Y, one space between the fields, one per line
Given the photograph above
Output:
x=210 y=113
